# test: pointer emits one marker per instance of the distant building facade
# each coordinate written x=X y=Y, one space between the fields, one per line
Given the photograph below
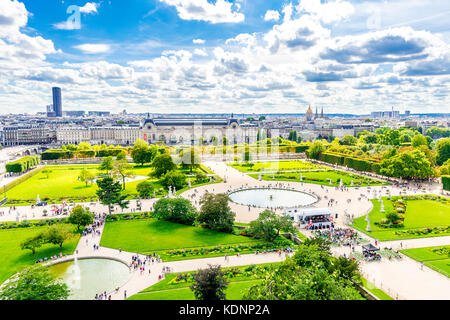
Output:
x=27 y=135
x=189 y=131
x=98 y=135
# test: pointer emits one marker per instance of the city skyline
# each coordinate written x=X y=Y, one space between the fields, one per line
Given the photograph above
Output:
x=205 y=57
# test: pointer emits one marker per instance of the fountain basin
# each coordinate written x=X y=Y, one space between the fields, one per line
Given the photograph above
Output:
x=87 y=277
x=272 y=198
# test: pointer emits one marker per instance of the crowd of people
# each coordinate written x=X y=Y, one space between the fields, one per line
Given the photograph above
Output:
x=340 y=236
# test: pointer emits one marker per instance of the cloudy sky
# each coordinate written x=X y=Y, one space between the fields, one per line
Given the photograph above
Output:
x=216 y=56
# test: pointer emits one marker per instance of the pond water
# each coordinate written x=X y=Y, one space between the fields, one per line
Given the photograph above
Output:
x=272 y=198
x=87 y=277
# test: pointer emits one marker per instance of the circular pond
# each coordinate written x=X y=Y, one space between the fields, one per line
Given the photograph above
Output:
x=87 y=277
x=272 y=198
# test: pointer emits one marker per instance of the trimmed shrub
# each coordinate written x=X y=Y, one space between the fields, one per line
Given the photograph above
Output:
x=446 y=182
x=56 y=154
x=22 y=165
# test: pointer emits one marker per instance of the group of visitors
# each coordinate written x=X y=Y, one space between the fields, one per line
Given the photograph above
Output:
x=102 y=296
x=52 y=258
x=340 y=236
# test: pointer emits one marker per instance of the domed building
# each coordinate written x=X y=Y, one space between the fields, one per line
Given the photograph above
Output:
x=309 y=114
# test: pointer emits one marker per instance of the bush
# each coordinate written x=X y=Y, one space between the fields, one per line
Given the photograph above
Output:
x=446 y=182
x=174 y=179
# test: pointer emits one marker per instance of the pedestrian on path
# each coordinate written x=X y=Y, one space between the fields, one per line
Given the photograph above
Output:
x=125 y=294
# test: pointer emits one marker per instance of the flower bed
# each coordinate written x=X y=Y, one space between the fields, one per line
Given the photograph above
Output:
x=250 y=272
x=128 y=216
x=424 y=231
x=231 y=249
x=28 y=224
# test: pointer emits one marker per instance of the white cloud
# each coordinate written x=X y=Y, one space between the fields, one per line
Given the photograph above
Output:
x=13 y=16
x=198 y=41
x=90 y=7
x=221 y=11
x=327 y=12
x=93 y=48
x=200 y=52
x=272 y=15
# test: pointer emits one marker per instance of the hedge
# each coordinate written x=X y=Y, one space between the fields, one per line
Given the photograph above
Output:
x=110 y=152
x=56 y=154
x=446 y=182
x=23 y=164
x=351 y=162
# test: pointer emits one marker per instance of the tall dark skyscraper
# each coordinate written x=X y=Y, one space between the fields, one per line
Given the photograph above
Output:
x=57 y=101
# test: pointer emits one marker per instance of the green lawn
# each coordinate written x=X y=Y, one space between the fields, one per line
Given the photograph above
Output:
x=14 y=259
x=431 y=257
x=322 y=178
x=234 y=291
x=420 y=214
x=62 y=183
x=151 y=235
x=276 y=166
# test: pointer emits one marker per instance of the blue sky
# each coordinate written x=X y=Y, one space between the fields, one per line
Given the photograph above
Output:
x=219 y=56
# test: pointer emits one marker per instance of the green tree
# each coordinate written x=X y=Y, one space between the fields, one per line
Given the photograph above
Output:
x=316 y=149
x=173 y=179
x=443 y=151
x=292 y=282
x=215 y=212
x=177 y=210
x=419 y=140
x=57 y=234
x=33 y=243
x=34 y=283
x=142 y=153
x=292 y=135
x=162 y=164
x=209 y=284
x=121 y=156
x=122 y=169
x=345 y=268
x=106 y=165
x=348 y=140
x=109 y=193
x=81 y=217
x=409 y=164
x=86 y=176
x=269 y=225
x=145 y=189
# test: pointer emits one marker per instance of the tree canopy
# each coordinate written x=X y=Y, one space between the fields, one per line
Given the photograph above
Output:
x=209 y=284
x=215 y=212
x=269 y=225
x=162 y=164
x=34 y=283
